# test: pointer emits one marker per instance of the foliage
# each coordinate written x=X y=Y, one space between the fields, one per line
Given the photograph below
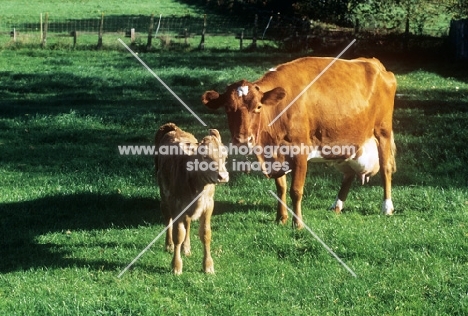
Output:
x=459 y=8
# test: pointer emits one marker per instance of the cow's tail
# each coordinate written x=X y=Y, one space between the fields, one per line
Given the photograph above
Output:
x=393 y=153
x=163 y=130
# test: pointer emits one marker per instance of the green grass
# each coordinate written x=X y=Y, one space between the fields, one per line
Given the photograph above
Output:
x=73 y=213
x=85 y=9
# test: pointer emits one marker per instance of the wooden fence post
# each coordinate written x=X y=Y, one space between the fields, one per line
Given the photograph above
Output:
x=202 y=41
x=44 y=34
x=407 y=34
x=254 y=35
x=74 y=34
x=185 y=37
x=13 y=34
x=458 y=37
x=241 y=39
x=132 y=36
x=101 y=28
x=356 y=26
x=150 y=32
x=40 y=26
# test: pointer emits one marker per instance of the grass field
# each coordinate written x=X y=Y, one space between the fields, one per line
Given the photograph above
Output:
x=74 y=213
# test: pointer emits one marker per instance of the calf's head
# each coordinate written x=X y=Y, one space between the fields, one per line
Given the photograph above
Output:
x=212 y=155
x=243 y=102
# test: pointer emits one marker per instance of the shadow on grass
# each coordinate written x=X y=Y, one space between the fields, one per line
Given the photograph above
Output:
x=23 y=222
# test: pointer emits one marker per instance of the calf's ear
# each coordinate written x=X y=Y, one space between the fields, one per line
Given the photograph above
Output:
x=273 y=97
x=188 y=149
x=215 y=133
x=211 y=99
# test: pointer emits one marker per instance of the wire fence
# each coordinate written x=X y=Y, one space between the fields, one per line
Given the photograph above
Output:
x=286 y=31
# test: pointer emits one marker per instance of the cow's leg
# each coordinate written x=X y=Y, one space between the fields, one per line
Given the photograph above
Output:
x=165 y=210
x=281 y=189
x=387 y=167
x=178 y=235
x=297 y=188
x=186 y=244
x=337 y=206
x=205 y=237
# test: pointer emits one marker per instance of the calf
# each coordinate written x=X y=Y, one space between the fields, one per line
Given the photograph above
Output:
x=185 y=168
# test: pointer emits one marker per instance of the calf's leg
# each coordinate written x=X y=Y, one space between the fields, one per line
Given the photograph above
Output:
x=186 y=244
x=165 y=210
x=178 y=235
x=205 y=237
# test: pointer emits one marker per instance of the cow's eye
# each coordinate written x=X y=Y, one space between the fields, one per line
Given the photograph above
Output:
x=257 y=108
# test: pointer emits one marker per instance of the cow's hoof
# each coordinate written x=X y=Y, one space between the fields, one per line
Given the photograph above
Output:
x=208 y=266
x=298 y=224
x=387 y=207
x=282 y=220
x=337 y=206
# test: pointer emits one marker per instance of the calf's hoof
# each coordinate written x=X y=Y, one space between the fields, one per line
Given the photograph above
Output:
x=170 y=248
x=177 y=266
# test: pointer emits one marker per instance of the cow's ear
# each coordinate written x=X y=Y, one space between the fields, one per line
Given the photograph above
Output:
x=211 y=99
x=273 y=97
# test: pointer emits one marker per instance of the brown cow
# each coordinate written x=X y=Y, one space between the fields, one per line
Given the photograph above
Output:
x=349 y=106
x=185 y=168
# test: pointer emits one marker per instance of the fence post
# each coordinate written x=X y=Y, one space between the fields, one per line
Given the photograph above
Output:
x=254 y=35
x=356 y=26
x=241 y=39
x=132 y=36
x=458 y=37
x=407 y=34
x=74 y=33
x=101 y=28
x=150 y=32
x=44 y=34
x=13 y=34
x=185 y=37
x=202 y=41
x=40 y=26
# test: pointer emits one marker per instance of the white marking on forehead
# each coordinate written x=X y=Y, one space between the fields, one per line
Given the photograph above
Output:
x=272 y=69
x=243 y=90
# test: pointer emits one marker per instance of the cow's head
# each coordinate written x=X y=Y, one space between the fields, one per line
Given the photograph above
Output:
x=213 y=154
x=243 y=102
